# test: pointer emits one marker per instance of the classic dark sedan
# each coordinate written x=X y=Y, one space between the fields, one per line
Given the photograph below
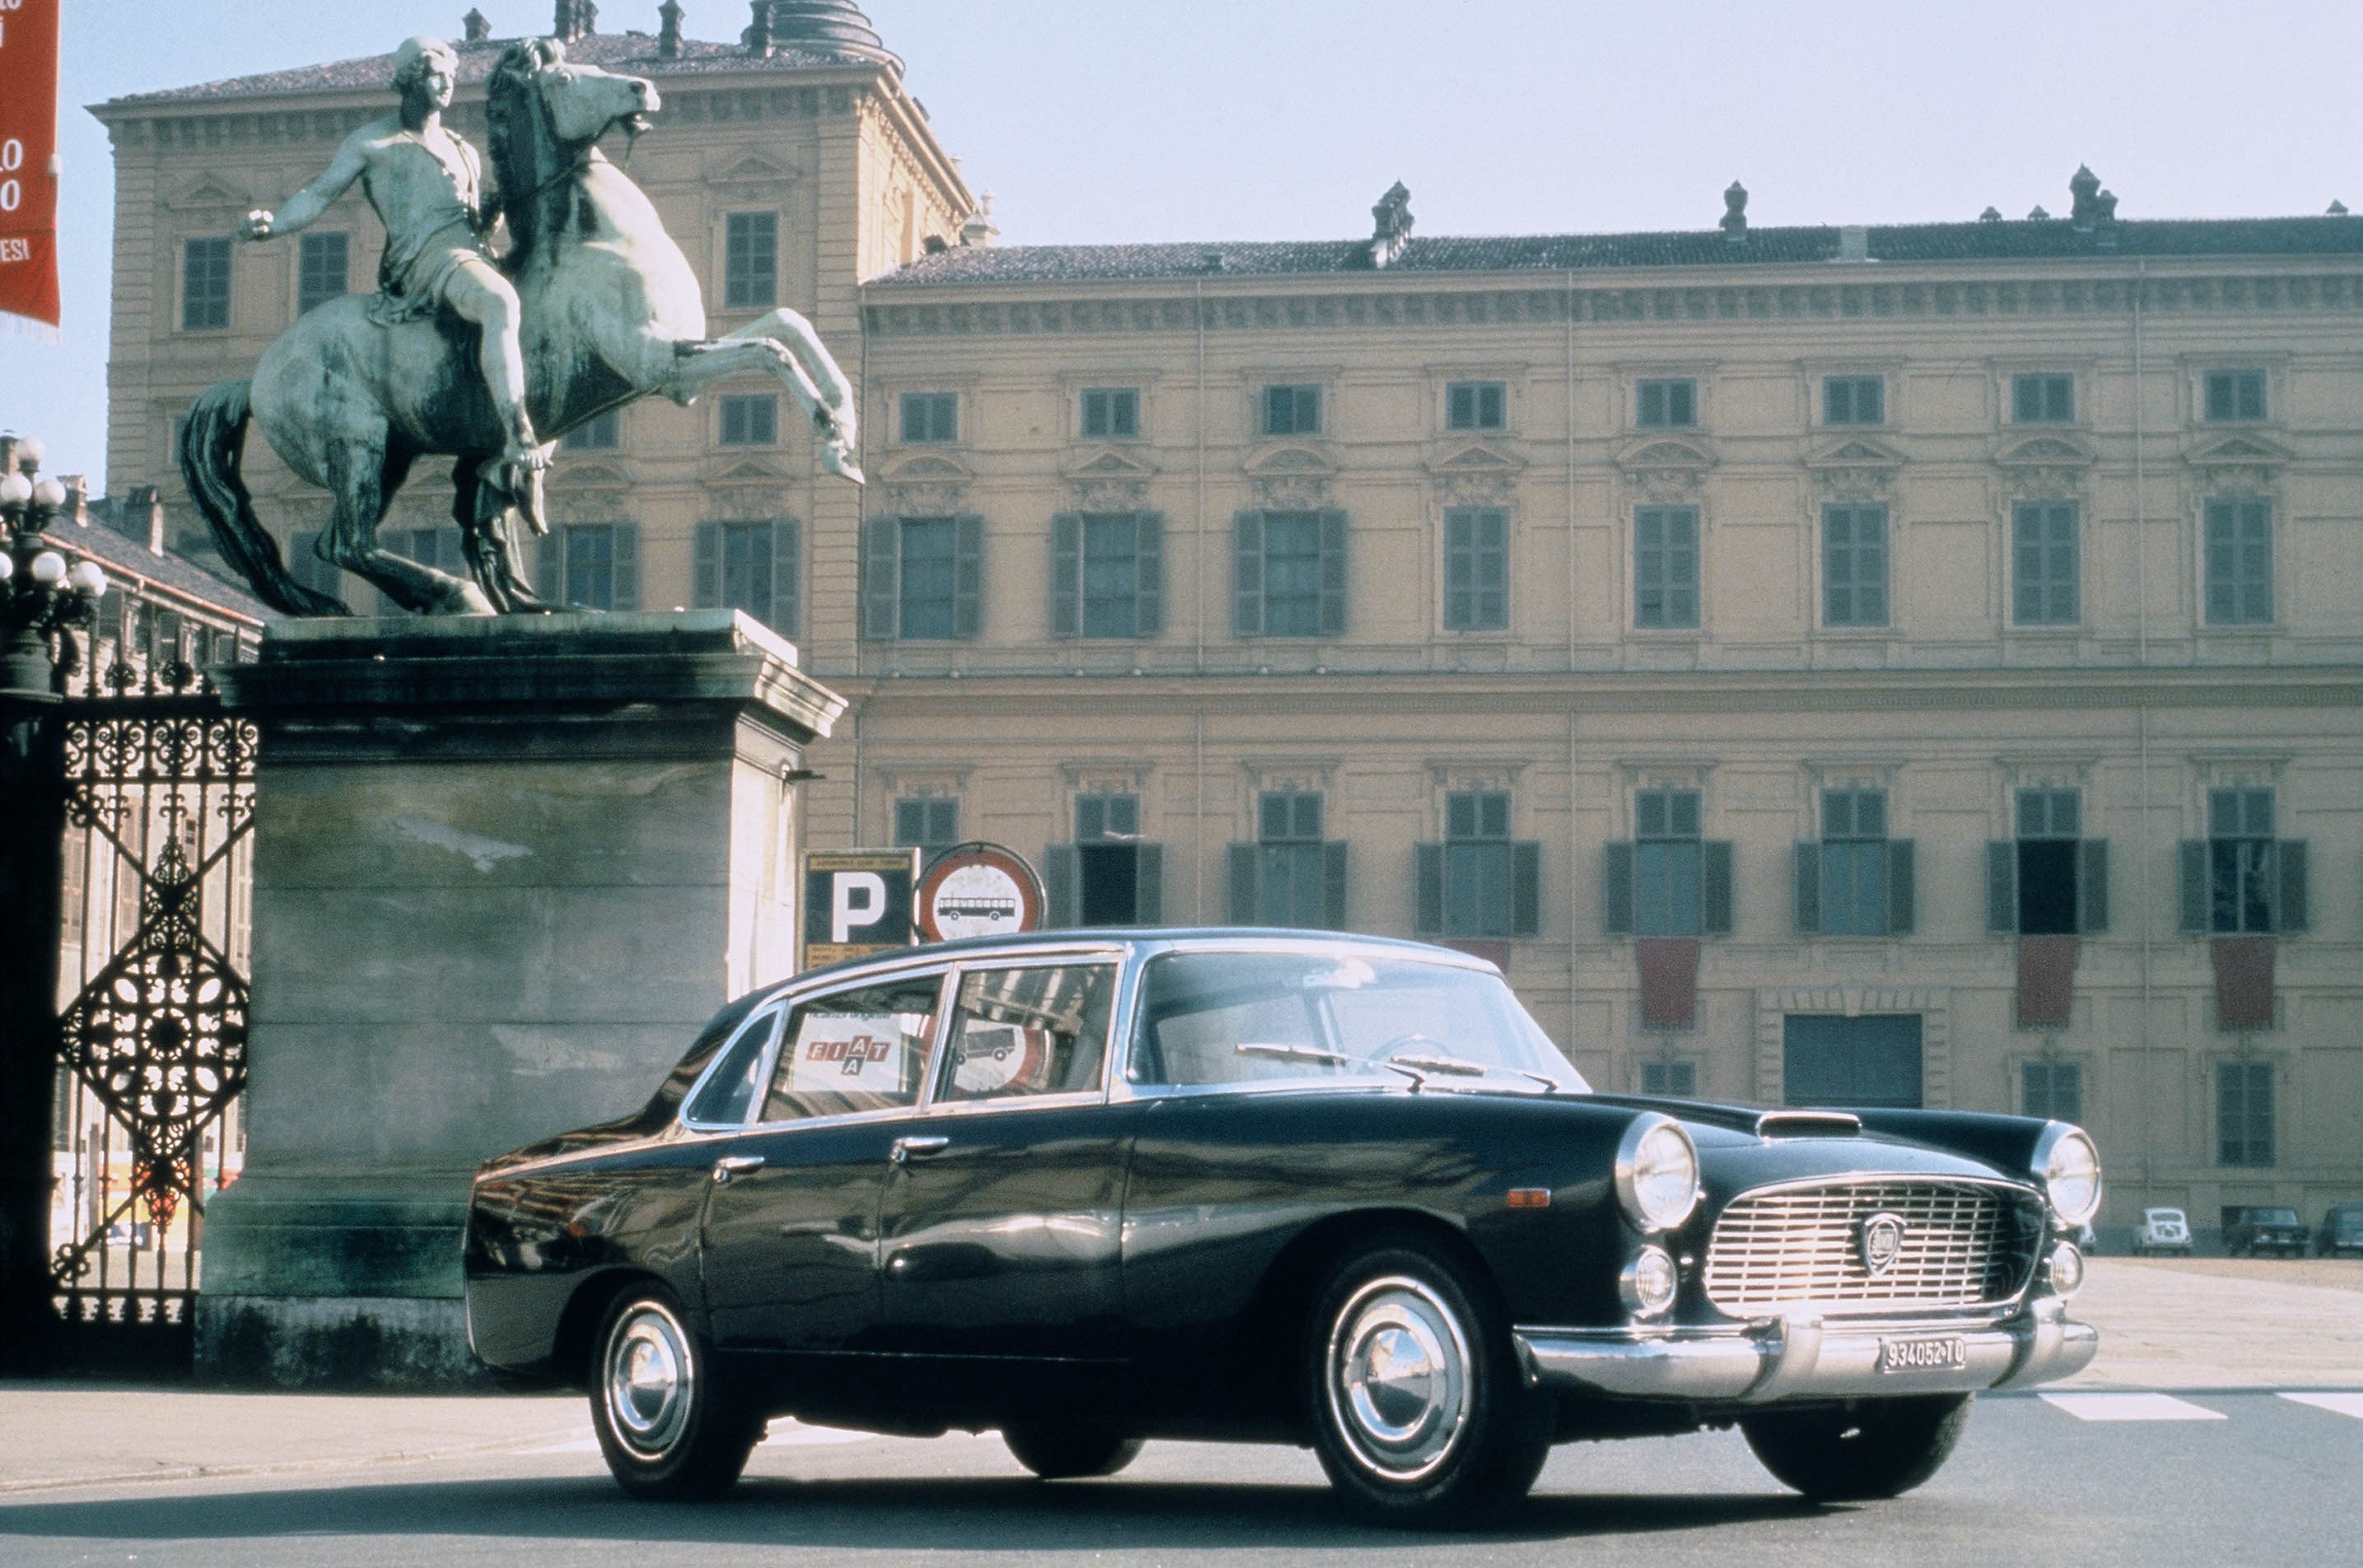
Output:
x=1092 y=1188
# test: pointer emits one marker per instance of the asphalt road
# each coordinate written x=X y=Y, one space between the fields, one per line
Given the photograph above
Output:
x=2242 y=1477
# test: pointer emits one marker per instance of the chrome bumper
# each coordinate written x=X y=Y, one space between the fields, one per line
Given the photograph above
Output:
x=1802 y=1356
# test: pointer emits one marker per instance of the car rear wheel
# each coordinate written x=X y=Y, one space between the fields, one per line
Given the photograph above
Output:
x=1413 y=1396
x=1063 y=1453
x=1872 y=1448
x=670 y=1432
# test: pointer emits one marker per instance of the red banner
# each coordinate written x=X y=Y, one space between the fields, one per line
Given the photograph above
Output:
x=28 y=164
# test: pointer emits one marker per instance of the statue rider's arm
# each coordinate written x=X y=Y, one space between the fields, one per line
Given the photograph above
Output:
x=306 y=205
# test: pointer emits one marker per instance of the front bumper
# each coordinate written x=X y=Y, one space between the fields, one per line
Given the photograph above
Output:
x=1802 y=1356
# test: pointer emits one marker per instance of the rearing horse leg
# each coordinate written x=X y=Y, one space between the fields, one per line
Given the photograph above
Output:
x=783 y=344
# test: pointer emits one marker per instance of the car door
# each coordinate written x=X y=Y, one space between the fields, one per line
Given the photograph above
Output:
x=790 y=1224
x=1000 y=1226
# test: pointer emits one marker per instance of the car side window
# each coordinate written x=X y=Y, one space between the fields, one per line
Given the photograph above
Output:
x=1033 y=1031
x=857 y=1049
x=724 y=1099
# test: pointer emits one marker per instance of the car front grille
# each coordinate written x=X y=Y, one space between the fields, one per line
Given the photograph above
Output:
x=1964 y=1244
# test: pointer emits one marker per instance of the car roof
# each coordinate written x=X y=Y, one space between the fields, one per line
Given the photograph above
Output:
x=1066 y=938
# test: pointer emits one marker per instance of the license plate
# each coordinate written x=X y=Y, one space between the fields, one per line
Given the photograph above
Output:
x=1947 y=1353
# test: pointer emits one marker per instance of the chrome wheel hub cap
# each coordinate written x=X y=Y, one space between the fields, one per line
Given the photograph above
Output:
x=649 y=1383
x=1399 y=1378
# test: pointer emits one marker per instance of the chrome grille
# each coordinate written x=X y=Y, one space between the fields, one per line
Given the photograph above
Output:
x=1965 y=1244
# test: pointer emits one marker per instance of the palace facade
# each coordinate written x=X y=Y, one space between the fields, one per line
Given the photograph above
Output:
x=1885 y=664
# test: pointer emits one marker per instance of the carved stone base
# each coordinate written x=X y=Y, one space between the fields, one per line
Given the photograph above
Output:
x=506 y=868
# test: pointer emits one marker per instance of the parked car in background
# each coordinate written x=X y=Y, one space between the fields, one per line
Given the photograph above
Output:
x=2162 y=1230
x=2341 y=1232
x=2269 y=1229
x=1088 y=1187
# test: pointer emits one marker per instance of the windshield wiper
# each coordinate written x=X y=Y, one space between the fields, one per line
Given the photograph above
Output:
x=1294 y=1054
x=1460 y=1067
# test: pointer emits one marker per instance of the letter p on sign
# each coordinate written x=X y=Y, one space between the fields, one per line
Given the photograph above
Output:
x=856 y=898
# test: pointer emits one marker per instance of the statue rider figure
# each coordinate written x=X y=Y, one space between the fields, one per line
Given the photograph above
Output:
x=427 y=185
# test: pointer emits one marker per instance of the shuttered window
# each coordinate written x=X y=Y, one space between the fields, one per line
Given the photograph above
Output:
x=1290 y=574
x=1476 y=568
x=1478 y=882
x=1107 y=574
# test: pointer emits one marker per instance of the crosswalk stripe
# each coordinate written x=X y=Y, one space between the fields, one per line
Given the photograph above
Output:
x=2339 y=1404
x=2131 y=1407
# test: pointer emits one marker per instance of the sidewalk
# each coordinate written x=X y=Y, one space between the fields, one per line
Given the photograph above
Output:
x=2165 y=1324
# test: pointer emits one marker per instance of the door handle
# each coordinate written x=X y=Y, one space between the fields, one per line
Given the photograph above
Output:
x=908 y=1149
x=729 y=1165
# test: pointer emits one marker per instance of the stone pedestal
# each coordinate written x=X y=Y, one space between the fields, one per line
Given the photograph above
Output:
x=505 y=871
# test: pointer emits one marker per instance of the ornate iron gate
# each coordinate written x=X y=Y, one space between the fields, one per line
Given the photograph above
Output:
x=159 y=812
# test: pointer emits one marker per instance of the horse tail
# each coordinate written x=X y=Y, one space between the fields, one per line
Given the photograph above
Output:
x=212 y=440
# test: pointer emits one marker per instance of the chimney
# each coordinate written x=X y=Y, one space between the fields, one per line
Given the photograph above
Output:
x=669 y=30
x=978 y=233
x=1734 y=213
x=475 y=28
x=574 y=20
x=1393 y=225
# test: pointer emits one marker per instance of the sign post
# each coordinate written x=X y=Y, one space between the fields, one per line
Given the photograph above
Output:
x=979 y=889
x=857 y=902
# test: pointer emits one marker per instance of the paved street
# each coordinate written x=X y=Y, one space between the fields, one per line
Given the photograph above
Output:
x=2215 y=1463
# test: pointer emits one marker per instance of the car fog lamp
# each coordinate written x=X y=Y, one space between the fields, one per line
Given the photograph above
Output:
x=2067 y=1269
x=1648 y=1283
x=1656 y=1172
x=2070 y=1169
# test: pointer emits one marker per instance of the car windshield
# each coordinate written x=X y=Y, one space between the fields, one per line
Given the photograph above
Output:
x=1223 y=1018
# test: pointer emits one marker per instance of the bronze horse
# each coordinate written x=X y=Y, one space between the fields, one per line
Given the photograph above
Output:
x=611 y=312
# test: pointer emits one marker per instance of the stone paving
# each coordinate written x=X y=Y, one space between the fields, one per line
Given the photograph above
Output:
x=2165 y=1324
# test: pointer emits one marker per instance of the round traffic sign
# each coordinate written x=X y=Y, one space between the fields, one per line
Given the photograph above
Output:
x=979 y=889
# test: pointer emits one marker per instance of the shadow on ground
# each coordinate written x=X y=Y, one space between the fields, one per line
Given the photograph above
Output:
x=1013 y=1514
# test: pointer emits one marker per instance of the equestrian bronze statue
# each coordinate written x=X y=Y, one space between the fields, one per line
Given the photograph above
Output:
x=591 y=306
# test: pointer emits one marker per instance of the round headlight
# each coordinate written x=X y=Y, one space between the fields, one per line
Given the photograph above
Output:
x=1656 y=1172
x=2070 y=1169
x=1648 y=1283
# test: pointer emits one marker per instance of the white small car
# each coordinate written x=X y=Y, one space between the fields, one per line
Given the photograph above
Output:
x=2162 y=1230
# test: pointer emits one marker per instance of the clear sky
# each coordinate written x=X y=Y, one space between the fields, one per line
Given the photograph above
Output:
x=1267 y=119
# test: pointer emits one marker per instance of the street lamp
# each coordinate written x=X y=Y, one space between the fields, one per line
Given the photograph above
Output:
x=42 y=600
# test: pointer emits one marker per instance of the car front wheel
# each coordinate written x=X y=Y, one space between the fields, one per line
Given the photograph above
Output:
x=1413 y=1396
x=670 y=1432
x=1063 y=1453
x=1873 y=1448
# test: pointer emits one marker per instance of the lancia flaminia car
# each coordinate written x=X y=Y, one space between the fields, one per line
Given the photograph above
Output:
x=1092 y=1188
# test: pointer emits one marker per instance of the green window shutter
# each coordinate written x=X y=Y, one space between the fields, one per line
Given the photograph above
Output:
x=1809 y=887
x=2092 y=885
x=2002 y=886
x=705 y=579
x=1246 y=583
x=1616 y=887
x=1525 y=889
x=1333 y=884
x=1332 y=573
x=1715 y=904
x=1243 y=860
x=1428 y=902
x=549 y=565
x=968 y=575
x=2192 y=861
x=881 y=541
x=627 y=566
x=1062 y=880
x=1148 y=574
x=1149 y=884
x=787 y=616
x=2290 y=912
x=1067 y=575
x=1901 y=895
